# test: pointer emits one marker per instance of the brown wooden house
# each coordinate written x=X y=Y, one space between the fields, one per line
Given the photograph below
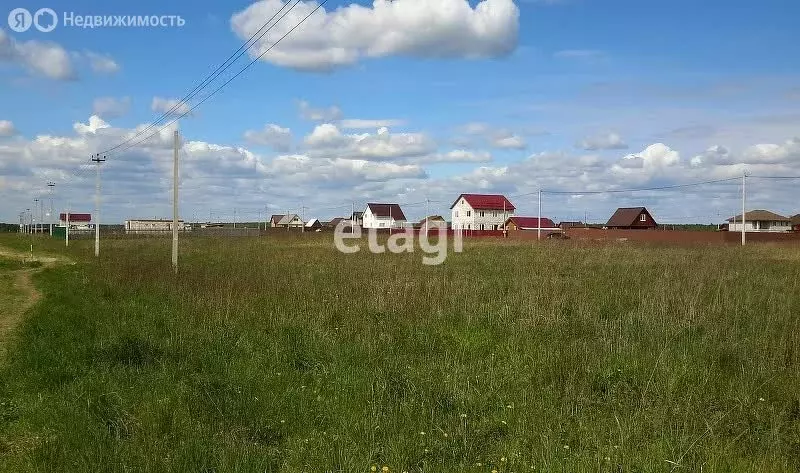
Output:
x=631 y=218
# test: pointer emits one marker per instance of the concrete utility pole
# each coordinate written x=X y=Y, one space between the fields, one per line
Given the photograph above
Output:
x=97 y=161
x=427 y=202
x=50 y=186
x=234 y=218
x=176 y=137
x=303 y=217
x=539 y=220
x=66 y=230
x=744 y=211
x=36 y=225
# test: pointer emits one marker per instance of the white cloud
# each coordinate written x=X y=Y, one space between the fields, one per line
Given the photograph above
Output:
x=420 y=28
x=598 y=142
x=7 y=128
x=496 y=137
x=111 y=107
x=509 y=141
x=95 y=123
x=173 y=107
x=278 y=138
x=330 y=114
x=327 y=140
x=102 y=64
x=455 y=156
x=358 y=124
x=41 y=57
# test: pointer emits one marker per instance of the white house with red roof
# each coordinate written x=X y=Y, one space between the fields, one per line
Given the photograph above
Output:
x=383 y=216
x=480 y=212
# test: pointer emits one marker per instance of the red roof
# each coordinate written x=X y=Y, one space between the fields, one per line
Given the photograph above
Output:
x=531 y=222
x=76 y=217
x=387 y=210
x=486 y=201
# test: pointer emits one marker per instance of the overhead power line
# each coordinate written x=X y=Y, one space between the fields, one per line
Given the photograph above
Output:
x=231 y=79
x=213 y=75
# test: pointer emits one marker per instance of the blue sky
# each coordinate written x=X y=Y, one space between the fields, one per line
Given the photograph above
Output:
x=560 y=95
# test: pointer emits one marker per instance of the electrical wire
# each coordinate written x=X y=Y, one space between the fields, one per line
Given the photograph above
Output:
x=231 y=79
x=209 y=78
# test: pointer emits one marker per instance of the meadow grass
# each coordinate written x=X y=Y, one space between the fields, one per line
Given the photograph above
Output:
x=281 y=354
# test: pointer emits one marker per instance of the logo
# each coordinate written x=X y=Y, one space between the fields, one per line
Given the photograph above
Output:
x=45 y=20
x=20 y=20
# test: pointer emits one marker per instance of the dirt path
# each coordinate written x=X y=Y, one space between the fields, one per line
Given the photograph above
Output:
x=18 y=294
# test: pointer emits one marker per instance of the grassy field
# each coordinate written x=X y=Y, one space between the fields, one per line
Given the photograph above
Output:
x=280 y=354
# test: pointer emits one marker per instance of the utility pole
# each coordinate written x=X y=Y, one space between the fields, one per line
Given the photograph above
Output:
x=36 y=225
x=744 y=211
x=288 y=221
x=66 y=230
x=539 y=220
x=176 y=139
x=234 y=218
x=427 y=214
x=97 y=161
x=266 y=216
x=50 y=186
x=302 y=217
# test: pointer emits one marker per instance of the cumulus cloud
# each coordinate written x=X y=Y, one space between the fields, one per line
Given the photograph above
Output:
x=455 y=156
x=274 y=136
x=111 y=107
x=599 y=142
x=327 y=140
x=95 y=123
x=509 y=141
x=652 y=159
x=171 y=106
x=358 y=124
x=314 y=114
x=102 y=64
x=419 y=28
x=500 y=138
x=7 y=128
x=40 y=57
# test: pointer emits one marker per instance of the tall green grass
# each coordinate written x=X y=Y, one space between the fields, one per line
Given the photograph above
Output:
x=280 y=354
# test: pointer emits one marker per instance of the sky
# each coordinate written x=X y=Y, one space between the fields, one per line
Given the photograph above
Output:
x=407 y=101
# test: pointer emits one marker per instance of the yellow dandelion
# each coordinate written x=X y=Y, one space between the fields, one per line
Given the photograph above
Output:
x=373 y=468
x=385 y=468
x=503 y=459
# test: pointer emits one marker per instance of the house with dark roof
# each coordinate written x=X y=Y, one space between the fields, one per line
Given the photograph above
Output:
x=334 y=222
x=480 y=212
x=76 y=220
x=383 y=216
x=287 y=220
x=760 y=221
x=531 y=223
x=796 y=223
x=631 y=218
x=357 y=218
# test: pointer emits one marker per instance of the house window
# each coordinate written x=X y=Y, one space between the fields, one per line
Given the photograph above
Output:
x=481 y=214
x=643 y=218
x=494 y=214
x=469 y=214
x=456 y=213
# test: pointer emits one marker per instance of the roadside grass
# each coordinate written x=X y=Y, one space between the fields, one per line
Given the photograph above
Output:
x=279 y=354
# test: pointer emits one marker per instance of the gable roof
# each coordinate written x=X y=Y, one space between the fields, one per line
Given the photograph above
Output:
x=796 y=219
x=387 y=210
x=531 y=222
x=76 y=217
x=357 y=216
x=284 y=219
x=432 y=218
x=760 y=215
x=626 y=216
x=486 y=201
x=334 y=222
x=313 y=222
